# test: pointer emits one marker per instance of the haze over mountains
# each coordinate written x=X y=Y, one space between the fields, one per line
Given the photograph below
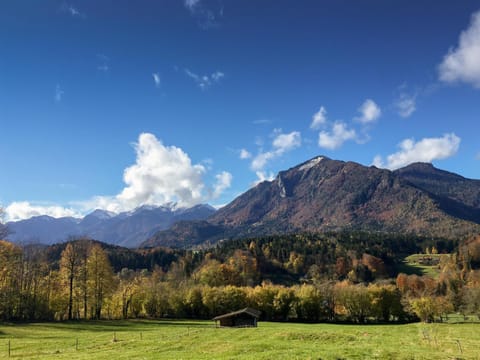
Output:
x=126 y=229
x=315 y=196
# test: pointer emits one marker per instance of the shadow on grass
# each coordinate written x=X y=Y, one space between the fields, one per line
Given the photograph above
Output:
x=118 y=325
x=409 y=269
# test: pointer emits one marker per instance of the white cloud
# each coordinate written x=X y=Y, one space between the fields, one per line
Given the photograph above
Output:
x=224 y=181
x=281 y=144
x=216 y=76
x=156 y=79
x=206 y=17
x=425 y=150
x=263 y=176
x=58 y=93
x=245 y=154
x=20 y=210
x=72 y=10
x=369 y=111
x=286 y=142
x=191 y=4
x=205 y=81
x=335 y=139
x=462 y=63
x=319 y=118
x=161 y=174
x=378 y=161
x=406 y=105
x=262 y=159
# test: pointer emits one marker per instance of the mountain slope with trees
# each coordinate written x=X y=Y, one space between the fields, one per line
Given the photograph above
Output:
x=328 y=195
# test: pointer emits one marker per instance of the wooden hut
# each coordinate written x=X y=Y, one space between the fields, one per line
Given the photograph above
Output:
x=247 y=317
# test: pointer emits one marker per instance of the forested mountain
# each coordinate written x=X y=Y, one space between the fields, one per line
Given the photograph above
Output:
x=126 y=229
x=328 y=195
x=302 y=277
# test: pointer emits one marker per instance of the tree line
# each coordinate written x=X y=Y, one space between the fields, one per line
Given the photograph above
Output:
x=300 y=277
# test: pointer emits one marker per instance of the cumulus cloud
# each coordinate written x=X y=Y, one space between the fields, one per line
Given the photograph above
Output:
x=156 y=79
x=205 y=81
x=281 y=144
x=319 y=118
x=161 y=174
x=425 y=150
x=245 y=154
x=406 y=105
x=263 y=176
x=286 y=142
x=262 y=159
x=462 y=64
x=369 y=112
x=224 y=181
x=335 y=138
x=20 y=210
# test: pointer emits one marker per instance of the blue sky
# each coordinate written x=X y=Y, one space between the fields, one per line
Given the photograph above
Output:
x=115 y=104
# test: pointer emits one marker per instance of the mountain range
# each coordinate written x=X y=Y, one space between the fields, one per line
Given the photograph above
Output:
x=127 y=229
x=316 y=196
x=329 y=195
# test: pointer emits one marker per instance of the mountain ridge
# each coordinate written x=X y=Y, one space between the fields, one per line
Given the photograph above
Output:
x=126 y=229
x=330 y=195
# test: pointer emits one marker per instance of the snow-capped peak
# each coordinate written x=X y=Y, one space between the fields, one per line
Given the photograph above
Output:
x=311 y=163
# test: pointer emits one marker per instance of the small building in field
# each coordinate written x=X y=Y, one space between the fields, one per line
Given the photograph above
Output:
x=247 y=317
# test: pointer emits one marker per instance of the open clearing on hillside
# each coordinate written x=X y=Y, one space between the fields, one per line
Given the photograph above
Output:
x=422 y=264
x=201 y=340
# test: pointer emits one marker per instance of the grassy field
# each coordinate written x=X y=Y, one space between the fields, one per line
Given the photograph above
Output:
x=200 y=340
x=415 y=264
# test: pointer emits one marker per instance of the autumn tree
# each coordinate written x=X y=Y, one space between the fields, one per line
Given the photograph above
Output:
x=10 y=279
x=308 y=304
x=100 y=278
x=425 y=308
x=356 y=301
x=385 y=302
x=69 y=265
x=283 y=303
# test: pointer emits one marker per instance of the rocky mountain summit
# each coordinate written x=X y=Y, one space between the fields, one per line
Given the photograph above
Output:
x=329 y=195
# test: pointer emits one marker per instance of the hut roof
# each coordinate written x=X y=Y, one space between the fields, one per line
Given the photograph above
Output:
x=249 y=311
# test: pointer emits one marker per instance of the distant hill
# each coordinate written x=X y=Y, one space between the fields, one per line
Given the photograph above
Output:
x=126 y=229
x=328 y=195
x=120 y=257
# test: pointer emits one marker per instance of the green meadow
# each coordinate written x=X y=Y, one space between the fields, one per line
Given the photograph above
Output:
x=201 y=340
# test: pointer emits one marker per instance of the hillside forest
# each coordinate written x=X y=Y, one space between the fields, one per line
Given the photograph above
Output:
x=330 y=277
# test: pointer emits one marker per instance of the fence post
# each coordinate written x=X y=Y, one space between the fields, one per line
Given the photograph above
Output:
x=76 y=344
x=9 y=348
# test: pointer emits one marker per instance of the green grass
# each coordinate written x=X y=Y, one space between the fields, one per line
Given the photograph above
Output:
x=200 y=340
x=412 y=265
